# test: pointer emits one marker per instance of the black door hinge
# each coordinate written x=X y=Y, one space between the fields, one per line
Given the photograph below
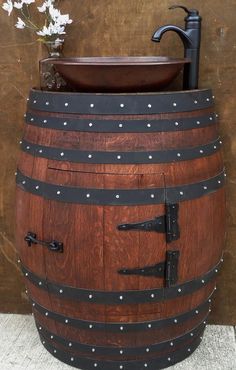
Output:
x=53 y=246
x=167 y=269
x=167 y=224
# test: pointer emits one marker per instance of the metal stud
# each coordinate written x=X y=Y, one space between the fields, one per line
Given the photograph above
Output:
x=65 y=123
x=211 y=118
x=203 y=281
x=52 y=337
x=205 y=187
x=175 y=321
x=149 y=326
x=33 y=304
x=62 y=154
x=176 y=123
x=90 y=156
x=145 y=365
x=213 y=96
x=207 y=99
x=189 y=349
x=219 y=182
x=195 y=101
x=117 y=196
x=90 y=296
x=120 y=125
x=43 y=341
x=121 y=298
x=179 y=290
x=66 y=104
x=20 y=142
x=26 y=274
x=198 y=122
x=46 y=313
x=27 y=147
x=45 y=121
x=152 y=196
x=149 y=125
x=149 y=105
x=27 y=99
x=88 y=195
x=150 y=157
x=72 y=359
x=152 y=295
x=147 y=350
x=121 y=328
x=40 y=328
x=32 y=119
x=171 y=344
x=181 y=193
x=93 y=349
x=91 y=105
x=215 y=147
x=70 y=344
x=121 y=366
x=119 y=157
x=95 y=365
x=178 y=155
x=121 y=352
x=201 y=338
x=47 y=103
x=40 y=151
x=201 y=151
x=58 y=192
x=197 y=312
x=40 y=283
x=66 y=321
x=122 y=105
x=25 y=115
x=222 y=260
x=169 y=359
x=90 y=124
x=217 y=115
x=191 y=334
x=55 y=351
x=204 y=322
x=174 y=104
x=216 y=270
x=35 y=101
x=61 y=291
x=90 y=326
x=23 y=182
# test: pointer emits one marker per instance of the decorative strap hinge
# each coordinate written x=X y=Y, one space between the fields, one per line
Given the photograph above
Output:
x=54 y=246
x=167 y=224
x=167 y=269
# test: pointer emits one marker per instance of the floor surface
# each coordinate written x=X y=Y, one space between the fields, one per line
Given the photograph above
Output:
x=20 y=348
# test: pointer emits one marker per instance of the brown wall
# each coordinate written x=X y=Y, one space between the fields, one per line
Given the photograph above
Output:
x=120 y=27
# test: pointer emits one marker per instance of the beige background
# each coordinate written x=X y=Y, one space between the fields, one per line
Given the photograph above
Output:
x=116 y=27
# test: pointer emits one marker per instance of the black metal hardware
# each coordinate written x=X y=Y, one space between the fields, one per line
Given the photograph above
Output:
x=163 y=224
x=167 y=269
x=54 y=246
x=191 y=38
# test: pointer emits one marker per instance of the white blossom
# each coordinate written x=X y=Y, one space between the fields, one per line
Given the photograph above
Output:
x=52 y=29
x=57 y=17
x=45 y=5
x=8 y=6
x=20 y=23
x=19 y=5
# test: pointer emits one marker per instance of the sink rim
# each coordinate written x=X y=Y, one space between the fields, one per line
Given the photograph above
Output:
x=118 y=61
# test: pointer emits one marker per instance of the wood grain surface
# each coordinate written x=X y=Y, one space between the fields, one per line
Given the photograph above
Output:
x=114 y=28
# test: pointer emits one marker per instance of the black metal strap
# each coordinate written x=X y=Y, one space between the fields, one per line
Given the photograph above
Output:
x=122 y=352
x=121 y=297
x=143 y=103
x=70 y=123
x=164 y=156
x=125 y=327
x=119 y=196
x=153 y=363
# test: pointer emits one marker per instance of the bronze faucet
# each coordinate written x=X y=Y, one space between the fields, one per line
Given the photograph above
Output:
x=191 y=38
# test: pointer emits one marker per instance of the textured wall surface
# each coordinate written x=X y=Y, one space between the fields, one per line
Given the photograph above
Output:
x=121 y=27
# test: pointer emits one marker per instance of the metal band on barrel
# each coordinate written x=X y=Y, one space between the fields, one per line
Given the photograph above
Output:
x=121 y=351
x=126 y=327
x=121 y=297
x=143 y=103
x=114 y=197
x=110 y=157
x=152 y=363
x=124 y=125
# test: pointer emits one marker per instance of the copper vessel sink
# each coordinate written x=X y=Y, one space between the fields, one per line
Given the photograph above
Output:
x=118 y=74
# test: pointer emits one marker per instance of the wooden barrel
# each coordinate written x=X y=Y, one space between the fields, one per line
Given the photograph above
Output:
x=120 y=224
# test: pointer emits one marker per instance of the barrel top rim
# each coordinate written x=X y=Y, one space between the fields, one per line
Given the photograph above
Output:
x=158 y=93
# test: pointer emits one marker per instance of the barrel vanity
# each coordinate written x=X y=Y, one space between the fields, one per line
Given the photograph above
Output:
x=120 y=223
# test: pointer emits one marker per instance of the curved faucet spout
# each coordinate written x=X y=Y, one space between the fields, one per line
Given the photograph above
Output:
x=157 y=36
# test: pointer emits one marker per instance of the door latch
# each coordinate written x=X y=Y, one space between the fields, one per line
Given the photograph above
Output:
x=167 y=269
x=167 y=224
x=53 y=246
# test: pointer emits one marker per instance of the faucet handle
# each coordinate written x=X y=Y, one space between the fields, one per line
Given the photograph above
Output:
x=190 y=12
